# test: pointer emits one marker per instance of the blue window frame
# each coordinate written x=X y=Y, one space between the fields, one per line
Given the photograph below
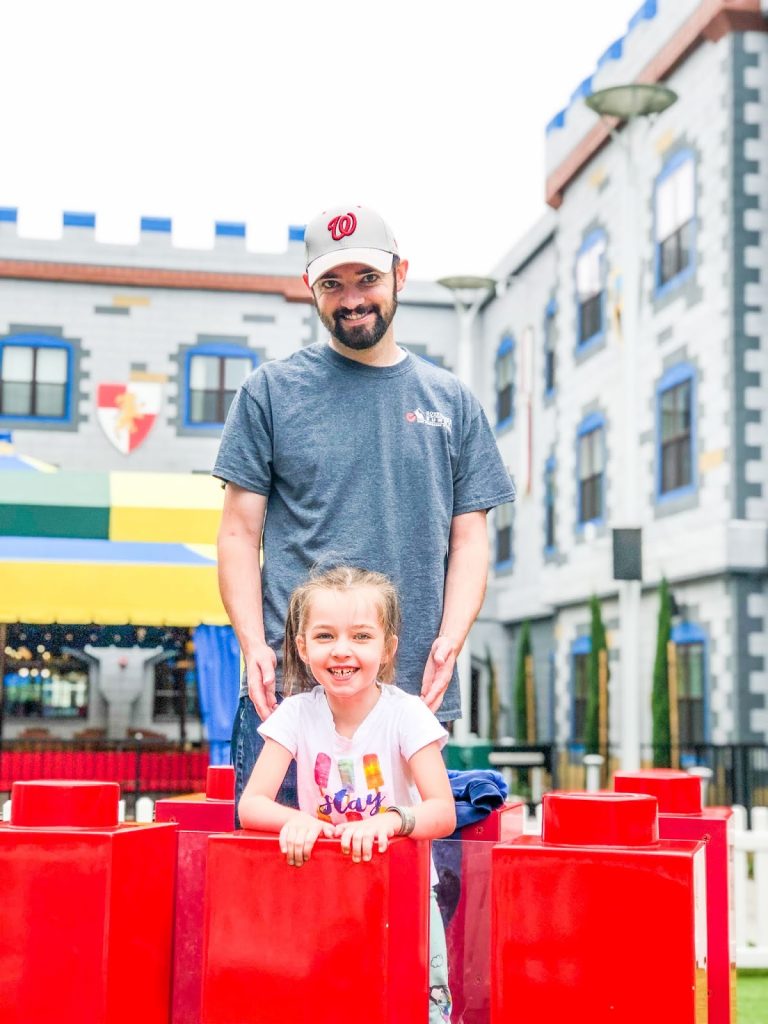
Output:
x=675 y=221
x=590 y=289
x=581 y=648
x=505 y=382
x=550 y=496
x=676 y=433
x=590 y=463
x=35 y=378
x=550 y=355
x=213 y=373
x=503 y=523
x=690 y=642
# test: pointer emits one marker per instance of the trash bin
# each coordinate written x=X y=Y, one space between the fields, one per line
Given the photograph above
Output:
x=470 y=753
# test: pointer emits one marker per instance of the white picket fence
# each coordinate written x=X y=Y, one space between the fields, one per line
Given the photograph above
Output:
x=750 y=876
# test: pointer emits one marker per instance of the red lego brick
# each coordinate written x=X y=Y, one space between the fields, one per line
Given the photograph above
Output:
x=87 y=911
x=326 y=942
x=681 y=816
x=598 y=934
x=198 y=815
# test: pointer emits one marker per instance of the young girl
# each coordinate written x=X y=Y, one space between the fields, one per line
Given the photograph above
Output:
x=368 y=755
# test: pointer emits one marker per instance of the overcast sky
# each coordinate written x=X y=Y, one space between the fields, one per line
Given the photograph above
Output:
x=432 y=111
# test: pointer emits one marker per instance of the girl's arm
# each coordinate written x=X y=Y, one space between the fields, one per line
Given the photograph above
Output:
x=259 y=810
x=435 y=817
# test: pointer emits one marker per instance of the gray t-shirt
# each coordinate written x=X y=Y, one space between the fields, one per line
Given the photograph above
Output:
x=365 y=465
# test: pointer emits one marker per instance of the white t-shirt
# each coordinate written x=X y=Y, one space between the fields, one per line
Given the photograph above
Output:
x=349 y=778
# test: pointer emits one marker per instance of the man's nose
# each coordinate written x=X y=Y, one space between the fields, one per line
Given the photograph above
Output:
x=352 y=296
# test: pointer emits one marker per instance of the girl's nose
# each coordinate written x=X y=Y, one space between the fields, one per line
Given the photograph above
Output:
x=340 y=647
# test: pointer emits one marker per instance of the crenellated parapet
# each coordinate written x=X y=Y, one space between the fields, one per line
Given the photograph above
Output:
x=660 y=35
x=155 y=247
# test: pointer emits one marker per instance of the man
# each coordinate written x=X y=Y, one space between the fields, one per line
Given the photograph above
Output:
x=355 y=450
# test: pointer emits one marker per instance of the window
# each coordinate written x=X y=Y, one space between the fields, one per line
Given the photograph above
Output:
x=591 y=462
x=176 y=690
x=549 y=505
x=505 y=381
x=54 y=687
x=675 y=220
x=34 y=377
x=580 y=652
x=675 y=441
x=550 y=358
x=213 y=376
x=504 y=515
x=590 y=288
x=690 y=647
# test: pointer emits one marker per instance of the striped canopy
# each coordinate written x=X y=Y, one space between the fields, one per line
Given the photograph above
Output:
x=109 y=548
x=46 y=579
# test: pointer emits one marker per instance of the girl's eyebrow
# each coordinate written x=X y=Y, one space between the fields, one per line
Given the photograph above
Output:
x=357 y=625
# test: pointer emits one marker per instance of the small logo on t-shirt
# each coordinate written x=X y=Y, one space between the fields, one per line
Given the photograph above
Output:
x=429 y=418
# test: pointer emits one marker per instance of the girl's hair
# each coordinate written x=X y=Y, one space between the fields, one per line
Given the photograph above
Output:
x=296 y=675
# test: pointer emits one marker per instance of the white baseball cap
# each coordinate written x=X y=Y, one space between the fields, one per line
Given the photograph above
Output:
x=348 y=234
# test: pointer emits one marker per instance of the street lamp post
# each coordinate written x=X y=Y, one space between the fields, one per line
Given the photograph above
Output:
x=627 y=104
x=469 y=295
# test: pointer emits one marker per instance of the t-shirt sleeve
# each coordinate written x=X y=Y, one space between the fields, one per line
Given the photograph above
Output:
x=282 y=726
x=418 y=728
x=245 y=452
x=481 y=480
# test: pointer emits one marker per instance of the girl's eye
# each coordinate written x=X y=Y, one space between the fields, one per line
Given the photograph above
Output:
x=322 y=636
x=362 y=636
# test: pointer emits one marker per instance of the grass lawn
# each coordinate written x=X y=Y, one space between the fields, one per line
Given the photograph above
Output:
x=752 y=997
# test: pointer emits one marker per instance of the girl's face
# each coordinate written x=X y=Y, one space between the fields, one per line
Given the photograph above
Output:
x=343 y=641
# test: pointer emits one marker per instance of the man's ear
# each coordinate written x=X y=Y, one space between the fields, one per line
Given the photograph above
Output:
x=401 y=272
x=305 y=279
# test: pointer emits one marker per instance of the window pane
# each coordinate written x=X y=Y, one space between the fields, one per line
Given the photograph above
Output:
x=589 y=270
x=504 y=411
x=504 y=544
x=204 y=372
x=16 y=399
x=591 y=453
x=51 y=400
x=17 y=362
x=675 y=198
x=591 y=317
x=235 y=372
x=51 y=366
x=203 y=406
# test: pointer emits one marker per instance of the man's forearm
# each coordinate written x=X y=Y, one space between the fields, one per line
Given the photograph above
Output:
x=240 y=587
x=465 y=584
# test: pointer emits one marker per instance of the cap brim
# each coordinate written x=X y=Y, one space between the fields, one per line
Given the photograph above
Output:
x=376 y=258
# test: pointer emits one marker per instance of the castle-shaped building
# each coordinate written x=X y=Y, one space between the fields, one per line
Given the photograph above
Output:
x=623 y=361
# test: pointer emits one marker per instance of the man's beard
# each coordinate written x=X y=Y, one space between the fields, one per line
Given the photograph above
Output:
x=360 y=338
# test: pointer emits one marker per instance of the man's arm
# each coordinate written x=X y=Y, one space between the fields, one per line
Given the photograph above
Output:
x=239 y=548
x=465 y=583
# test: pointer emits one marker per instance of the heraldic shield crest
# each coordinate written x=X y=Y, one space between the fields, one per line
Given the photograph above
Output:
x=127 y=412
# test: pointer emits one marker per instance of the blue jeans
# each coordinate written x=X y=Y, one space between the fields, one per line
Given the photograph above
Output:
x=246 y=746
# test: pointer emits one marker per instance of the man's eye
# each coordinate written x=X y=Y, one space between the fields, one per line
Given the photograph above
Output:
x=328 y=286
x=370 y=278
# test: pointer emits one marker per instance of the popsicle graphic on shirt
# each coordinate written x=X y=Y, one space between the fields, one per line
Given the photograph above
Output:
x=373 y=777
x=322 y=774
x=346 y=766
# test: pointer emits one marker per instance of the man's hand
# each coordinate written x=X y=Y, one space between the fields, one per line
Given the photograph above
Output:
x=260 y=673
x=438 y=672
x=358 y=837
x=299 y=835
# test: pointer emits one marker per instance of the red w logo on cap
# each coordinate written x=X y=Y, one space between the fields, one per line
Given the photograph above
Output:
x=342 y=225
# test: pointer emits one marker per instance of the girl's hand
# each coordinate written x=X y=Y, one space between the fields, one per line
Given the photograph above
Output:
x=298 y=836
x=358 y=837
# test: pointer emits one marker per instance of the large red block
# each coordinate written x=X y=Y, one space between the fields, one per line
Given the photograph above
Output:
x=198 y=815
x=597 y=934
x=326 y=942
x=468 y=933
x=87 y=909
x=681 y=816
